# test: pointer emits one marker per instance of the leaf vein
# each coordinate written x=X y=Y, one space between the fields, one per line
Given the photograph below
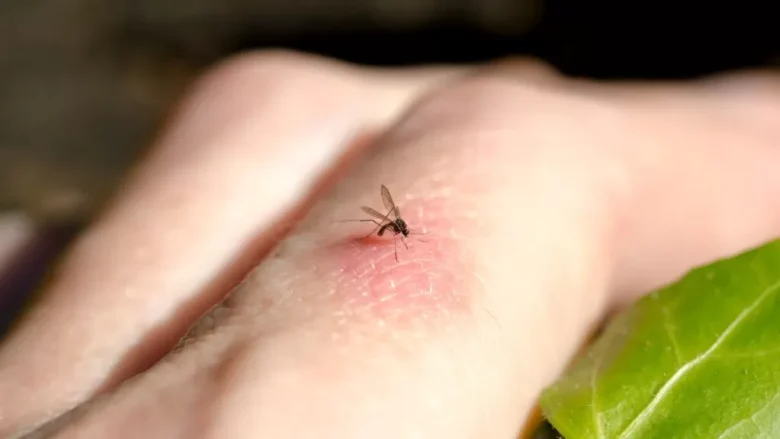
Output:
x=647 y=411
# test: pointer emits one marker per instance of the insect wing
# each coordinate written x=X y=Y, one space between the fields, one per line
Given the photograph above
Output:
x=374 y=213
x=388 y=201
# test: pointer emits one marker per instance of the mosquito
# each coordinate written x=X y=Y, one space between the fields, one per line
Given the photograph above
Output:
x=391 y=221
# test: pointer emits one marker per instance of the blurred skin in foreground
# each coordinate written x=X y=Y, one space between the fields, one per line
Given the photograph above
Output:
x=545 y=201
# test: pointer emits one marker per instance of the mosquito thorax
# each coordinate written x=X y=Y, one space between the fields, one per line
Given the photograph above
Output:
x=402 y=227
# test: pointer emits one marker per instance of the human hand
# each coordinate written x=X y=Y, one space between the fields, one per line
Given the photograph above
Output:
x=546 y=202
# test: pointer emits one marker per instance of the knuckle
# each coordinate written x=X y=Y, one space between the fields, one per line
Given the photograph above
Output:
x=276 y=80
x=276 y=89
x=478 y=103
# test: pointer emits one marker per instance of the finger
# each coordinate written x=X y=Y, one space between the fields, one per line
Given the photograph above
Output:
x=707 y=186
x=452 y=340
x=525 y=195
x=674 y=139
x=252 y=141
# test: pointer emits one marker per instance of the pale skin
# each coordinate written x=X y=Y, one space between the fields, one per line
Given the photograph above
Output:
x=546 y=203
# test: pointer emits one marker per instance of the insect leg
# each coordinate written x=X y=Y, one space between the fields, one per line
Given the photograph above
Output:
x=360 y=220
x=378 y=224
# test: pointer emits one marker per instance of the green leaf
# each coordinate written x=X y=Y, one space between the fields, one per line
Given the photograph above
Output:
x=697 y=359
